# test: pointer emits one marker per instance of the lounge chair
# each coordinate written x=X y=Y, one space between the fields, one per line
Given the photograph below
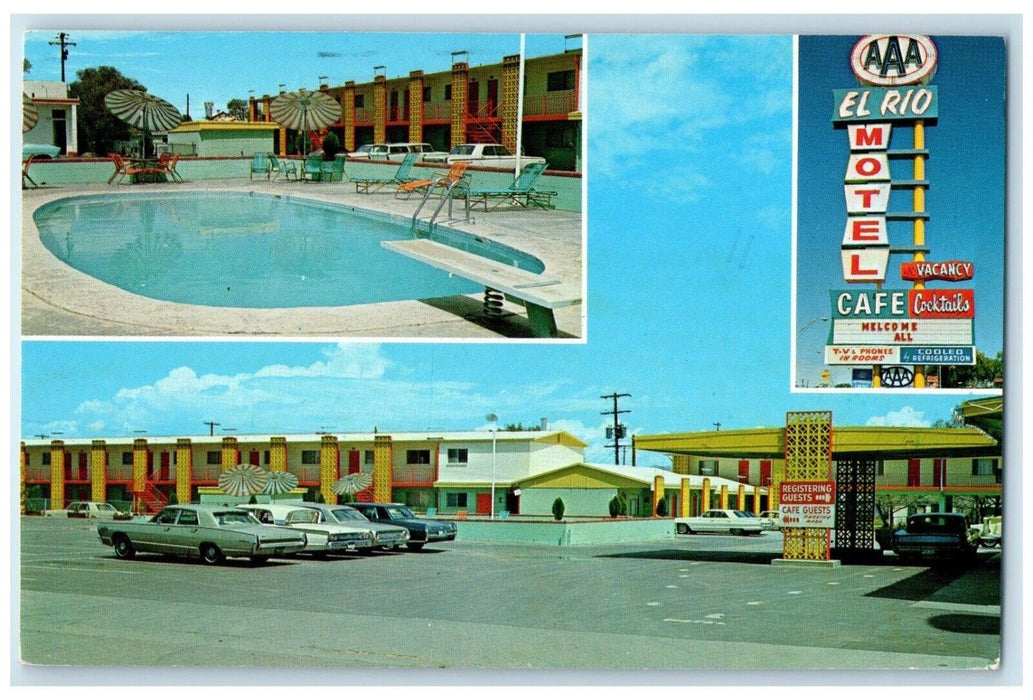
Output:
x=363 y=184
x=283 y=167
x=25 y=173
x=521 y=192
x=455 y=173
x=334 y=168
x=313 y=168
x=260 y=165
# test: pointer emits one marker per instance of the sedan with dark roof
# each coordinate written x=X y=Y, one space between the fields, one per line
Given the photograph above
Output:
x=421 y=530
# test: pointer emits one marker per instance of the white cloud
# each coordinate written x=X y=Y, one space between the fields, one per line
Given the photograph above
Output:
x=906 y=417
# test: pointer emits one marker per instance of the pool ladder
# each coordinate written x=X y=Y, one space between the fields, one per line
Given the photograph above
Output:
x=460 y=186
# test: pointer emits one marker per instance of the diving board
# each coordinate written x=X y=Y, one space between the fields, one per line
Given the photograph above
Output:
x=540 y=296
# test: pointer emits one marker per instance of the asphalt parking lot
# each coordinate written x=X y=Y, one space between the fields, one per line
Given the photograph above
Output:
x=695 y=603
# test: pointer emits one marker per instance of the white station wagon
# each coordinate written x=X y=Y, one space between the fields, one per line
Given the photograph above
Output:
x=732 y=522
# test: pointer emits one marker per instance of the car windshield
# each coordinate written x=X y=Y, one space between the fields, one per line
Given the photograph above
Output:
x=303 y=515
x=462 y=150
x=343 y=514
x=397 y=512
x=235 y=517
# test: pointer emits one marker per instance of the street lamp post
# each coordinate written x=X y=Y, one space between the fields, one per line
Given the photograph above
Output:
x=493 y=419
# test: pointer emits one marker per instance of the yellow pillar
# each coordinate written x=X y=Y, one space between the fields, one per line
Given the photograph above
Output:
x=328 y=467
x=348 y=115
x=230 y=453
x=460 y=79
x=139 y=465
x=184 y=469
x=658 y=492
x=277 y=454
x=756 y=500
x=509 y=98
x=680 y=464
x=98 y=471
x=382 y=460
x=741 y=498
x=724 y=496
x=704 y=504
x=416 y=106
x=379 y=109
x=686 y=493
x=57 y=474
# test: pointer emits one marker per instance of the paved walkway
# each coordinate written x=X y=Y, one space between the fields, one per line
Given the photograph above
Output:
x=58 y=300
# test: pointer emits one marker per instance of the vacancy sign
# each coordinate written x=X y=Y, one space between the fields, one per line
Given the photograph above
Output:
x=808 y=504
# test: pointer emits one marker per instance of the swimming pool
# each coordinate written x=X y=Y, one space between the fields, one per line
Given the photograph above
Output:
x=242 y=249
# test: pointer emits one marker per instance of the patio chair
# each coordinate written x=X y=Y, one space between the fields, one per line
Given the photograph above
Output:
x=455 y=173
x=170 y=168
x=283 y=167
x=521 y=189
x=124 y=167
x=25 y=173
x=334 y=168
x=260 y=165
x=313 y=168
x=363 y=184
x=120 y=167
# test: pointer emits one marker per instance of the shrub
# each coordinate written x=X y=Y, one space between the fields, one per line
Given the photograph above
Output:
x=558 y=508
x=173 y=499
x=615 y=506
x=331 y=146
x=661 y=508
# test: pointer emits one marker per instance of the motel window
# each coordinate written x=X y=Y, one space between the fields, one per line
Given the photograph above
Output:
x=458 y=455
x=426 y=93
x=880 y=468
x=46 y=459
x=984 y=466
x=214 y=457
x=448 y=91
x=417 y=456
x=265 y=457
x=456 y=500
x=707 y=467
x=127 y=459
x=560 y=80
x=310 y=456
x=367 y=457
x=360 y=101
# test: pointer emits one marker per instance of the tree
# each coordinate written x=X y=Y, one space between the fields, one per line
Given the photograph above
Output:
x=26 y=66
x=558 y=509
x=238 y=109
x=986 y=372
x=99 y=128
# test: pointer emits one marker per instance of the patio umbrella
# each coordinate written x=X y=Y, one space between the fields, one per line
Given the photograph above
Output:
x=353 y=483
x=30 y=115
x=143 y=110
x=279 y=482
x=305 y=111
x=243 y=480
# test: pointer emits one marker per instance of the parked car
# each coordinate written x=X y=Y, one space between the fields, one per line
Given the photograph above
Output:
x=95 y=509
x=323 y=537
x=717 y=520
x=490 y=154
x=396 y=151
x=206 y=531
x=421 y=530
x=386 y=536
x=771 y=520
x=362 y=151
x=936 y=537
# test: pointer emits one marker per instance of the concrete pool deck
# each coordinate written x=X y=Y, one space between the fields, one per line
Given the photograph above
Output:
x=58 y=300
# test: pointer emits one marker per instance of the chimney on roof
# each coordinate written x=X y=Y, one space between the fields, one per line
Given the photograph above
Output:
x=544 y=424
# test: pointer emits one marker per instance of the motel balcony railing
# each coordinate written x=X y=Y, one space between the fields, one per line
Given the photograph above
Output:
x=413 y=474
x=558 y=102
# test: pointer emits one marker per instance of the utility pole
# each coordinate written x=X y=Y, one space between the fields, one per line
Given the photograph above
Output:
x=211 y=426
x=618 y=430
x=62 y=41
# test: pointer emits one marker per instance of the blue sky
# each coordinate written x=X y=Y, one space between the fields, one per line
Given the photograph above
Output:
x=689 y=295
x=965 y=170
x=219 y=66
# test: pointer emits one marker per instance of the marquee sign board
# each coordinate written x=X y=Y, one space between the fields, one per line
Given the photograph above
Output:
x=909 y=331
x=807 y=504
x=900 y=354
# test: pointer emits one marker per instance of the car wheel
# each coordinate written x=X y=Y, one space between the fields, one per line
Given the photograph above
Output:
x=210 y=553
x=683 y=529
x=124 y=548
x=415 y=546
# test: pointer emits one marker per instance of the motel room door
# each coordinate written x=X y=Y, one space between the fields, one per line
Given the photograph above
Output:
x=483 y=503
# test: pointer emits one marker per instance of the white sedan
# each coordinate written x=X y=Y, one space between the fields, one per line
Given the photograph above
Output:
x=734 y=522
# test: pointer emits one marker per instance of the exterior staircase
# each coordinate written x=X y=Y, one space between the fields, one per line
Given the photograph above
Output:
x=150 y=499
